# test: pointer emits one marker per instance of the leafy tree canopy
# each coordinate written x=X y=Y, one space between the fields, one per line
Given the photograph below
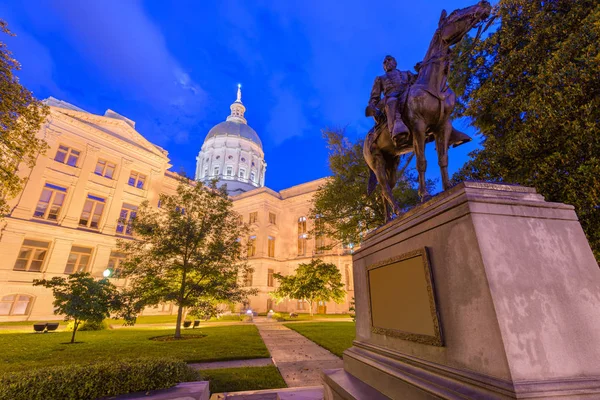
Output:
x=21 y=116
x=312 y=282
x=80 y=297
x=188 y=251
x=532 y=88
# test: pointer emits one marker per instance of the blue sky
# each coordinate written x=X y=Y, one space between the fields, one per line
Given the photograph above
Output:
x=173 y=67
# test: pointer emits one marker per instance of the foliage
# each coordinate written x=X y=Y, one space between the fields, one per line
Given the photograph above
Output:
x=352 y=309
x=88 y=326
x=314 y=281
x=244 y=378
x=334 y=336
x=25 y=351
x=188 y=251
x=95 y=380
x=532 y=88
x=21 y=116
x=345 y=210
x=80 y=297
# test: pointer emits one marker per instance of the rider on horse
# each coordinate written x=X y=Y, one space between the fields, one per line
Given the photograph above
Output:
x=393 y=85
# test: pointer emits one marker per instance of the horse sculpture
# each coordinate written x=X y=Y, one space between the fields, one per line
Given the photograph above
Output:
x=426 y=112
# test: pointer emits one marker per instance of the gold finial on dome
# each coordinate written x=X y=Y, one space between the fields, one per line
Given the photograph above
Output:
x=239 y=93
x=237 y=108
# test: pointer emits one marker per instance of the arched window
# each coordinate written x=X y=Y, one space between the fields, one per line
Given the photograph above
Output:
x=15 y=304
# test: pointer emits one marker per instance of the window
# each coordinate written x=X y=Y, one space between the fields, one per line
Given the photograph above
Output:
x=242 y=173
x=50 y=202
x=253 y=217
x=205 y=173
x=114 y=263
x=79 y=259
x=319 y=238
x=253 y=176
x=272 y=218
x=348 y=277
x=271 y=246
x=15 y=304
x=229 y=171
x=251 y=246
x=216 y=171
x=31 y=256
x=92 y=212
x=269 y=305
x=248 y=278
x=67 y=155
x=302 y=236
x=270 y=278
x=105 y=168
x=137 y=180
x=125 y=217
x=301 y=304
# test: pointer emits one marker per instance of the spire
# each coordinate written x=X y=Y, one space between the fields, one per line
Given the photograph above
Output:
x=237 y=108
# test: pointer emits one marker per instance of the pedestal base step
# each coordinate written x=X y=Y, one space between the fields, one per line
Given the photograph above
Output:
x=340 y=385
x=301 y=393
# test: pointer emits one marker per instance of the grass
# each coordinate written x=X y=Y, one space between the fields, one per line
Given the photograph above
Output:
x=22 y=351
x=170 y=319
x=245 y=378
x=334 y=336
x=307 y=317
x=30 y=323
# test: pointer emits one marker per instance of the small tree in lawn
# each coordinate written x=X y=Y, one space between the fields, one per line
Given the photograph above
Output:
x=188 y=251
x=312 y=282
x=81 y=298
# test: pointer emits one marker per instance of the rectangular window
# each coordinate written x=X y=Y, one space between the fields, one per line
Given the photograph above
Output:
x=248 y=279
x=92 y=212
x=50 y=202
x=271 y=249
x=251 y=246
x=114 y=264
x=253 y=176
x=205 y=173
x=125 y=217
x=105 y=168
x=216 y=171
x=253 y=217
x=319 y=237
x=272 y=218
x=31 y=256
x=15 y=304
x=79 y=259
x=229 y=171
x=242 y=173
x=270 y=278
x=301 y=304
x=302 y=236
x=67 y=155
x=137 y=180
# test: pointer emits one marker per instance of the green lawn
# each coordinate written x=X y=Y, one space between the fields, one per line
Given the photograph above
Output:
x=334 y=336
x=246 y=378
x=30 y=323
x=307 y=317
x=30 y=350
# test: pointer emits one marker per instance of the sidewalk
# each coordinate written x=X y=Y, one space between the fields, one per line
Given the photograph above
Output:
x=300 y=361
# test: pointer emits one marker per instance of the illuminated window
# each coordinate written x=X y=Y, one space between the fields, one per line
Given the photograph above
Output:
x=229 y=170
x=319 y=237
x=67 y=155
x=50 y=202
x=105 y=168
x=15 y=304
x=31 y=256
x=114 y=264
x=125 y=217
x=253 y=217
x=242 y=173
x=92 y=212
x=79 y=259
x=251 y=246
x=271 y=246
x=270 y=278
x=302 y=236
x=272 y=218
x=136 y=180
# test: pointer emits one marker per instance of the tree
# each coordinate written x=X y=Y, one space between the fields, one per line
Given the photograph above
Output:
x=21 y=116
x=188 y=251
x=315 y=281
x=532 y=89
x=81 y=298
x=345 y=210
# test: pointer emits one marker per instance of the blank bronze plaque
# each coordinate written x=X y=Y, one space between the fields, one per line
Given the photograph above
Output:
x=402 y=299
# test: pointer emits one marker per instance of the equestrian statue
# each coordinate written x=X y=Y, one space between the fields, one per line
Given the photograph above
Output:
x=415 y=108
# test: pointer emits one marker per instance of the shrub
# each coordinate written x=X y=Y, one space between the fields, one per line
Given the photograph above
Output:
x=229 y=317
x=88 y=326
x=278 y=317
x=92 y=381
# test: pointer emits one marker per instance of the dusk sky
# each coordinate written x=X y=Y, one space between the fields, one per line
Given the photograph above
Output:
x=173 y=67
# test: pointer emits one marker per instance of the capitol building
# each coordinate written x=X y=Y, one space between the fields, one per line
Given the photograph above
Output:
x=97 y=171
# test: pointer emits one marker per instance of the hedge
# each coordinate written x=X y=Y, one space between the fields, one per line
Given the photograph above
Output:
x=92 y=381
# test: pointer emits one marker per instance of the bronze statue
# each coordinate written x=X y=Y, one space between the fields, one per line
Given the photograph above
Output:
x=424 y=108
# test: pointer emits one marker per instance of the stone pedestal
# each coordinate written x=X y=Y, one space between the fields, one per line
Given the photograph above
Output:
x=507 y=302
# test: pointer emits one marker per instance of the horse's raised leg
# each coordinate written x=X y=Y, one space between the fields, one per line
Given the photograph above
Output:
x=442 y=139
x=418 y=132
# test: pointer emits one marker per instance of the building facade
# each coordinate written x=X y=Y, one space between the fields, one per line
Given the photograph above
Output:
x=97 y=171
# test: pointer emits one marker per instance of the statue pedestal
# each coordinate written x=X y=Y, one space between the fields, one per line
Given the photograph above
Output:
x=485 y=292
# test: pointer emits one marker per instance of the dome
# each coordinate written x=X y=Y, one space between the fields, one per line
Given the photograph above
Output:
x=231 y=128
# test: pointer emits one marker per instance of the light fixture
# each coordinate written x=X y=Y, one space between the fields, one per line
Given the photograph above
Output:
x=107 y=273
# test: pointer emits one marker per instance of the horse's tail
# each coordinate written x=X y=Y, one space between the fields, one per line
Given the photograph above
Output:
x=372 y=182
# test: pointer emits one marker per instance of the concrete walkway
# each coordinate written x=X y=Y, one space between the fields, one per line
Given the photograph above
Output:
x=300 y=361
x=255 y=362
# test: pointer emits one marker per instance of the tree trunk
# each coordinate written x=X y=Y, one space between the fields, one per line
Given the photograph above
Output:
x=310 y=303
x=75 y=326
x=180 y=305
